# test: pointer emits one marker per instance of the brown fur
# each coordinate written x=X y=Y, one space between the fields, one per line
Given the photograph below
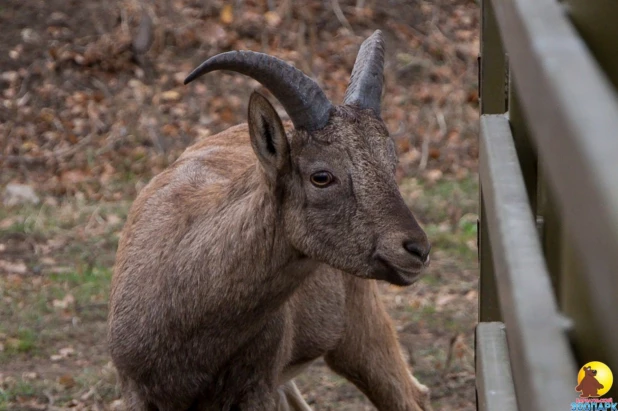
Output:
x=234 y=271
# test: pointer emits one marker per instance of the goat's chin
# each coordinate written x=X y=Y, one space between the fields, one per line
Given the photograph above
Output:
x=382 y=269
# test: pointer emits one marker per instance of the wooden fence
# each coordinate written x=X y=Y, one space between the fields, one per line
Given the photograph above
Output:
x=548 y=234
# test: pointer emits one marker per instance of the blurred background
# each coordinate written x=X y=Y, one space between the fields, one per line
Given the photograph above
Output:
x=92 y=106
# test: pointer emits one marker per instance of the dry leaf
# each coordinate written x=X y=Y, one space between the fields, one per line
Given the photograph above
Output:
x=169 y=130
x=65 y=302
x=47 y=261
x=9 y=76
x=18 y=267
x=444 y=299
x=472 y=295
x=113 y=219
x=433 y=175
x=117 y=405
x=66 y=351
x=73 y=176
x=29 y=375
x=170 y=95
x=66 y=380
x=7 y=222
x=272 y=18
x=227 y=14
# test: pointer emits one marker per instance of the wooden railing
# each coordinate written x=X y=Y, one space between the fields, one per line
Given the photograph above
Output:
x=548 y=235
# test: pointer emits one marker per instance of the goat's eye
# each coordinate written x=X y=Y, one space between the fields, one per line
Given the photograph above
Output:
x=321 y=179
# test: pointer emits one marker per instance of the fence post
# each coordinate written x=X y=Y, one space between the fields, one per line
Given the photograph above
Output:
x=493 y=94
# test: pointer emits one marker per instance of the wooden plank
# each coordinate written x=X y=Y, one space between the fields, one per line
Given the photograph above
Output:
x=572 y=111
x=596 y=22
x=551 y=233
x=526 y=152
x=492 y=91
x=489 y=306
x=543 y=367
x=493 y=67
x=494 y=382
x=588 y=335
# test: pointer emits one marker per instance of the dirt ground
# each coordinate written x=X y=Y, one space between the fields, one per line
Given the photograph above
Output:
x=88 y=116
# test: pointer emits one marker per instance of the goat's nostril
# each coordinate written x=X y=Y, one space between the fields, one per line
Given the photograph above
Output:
x=421 y=252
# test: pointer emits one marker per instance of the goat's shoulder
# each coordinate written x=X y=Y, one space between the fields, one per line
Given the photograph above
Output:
x=205 y=168
x=226 y=155
x=236 y=137
x=208 y=184
x=217 y=168
x=203 y=182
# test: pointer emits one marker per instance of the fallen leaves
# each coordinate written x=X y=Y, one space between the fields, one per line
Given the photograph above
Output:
x=82 y=118
x=431 y=61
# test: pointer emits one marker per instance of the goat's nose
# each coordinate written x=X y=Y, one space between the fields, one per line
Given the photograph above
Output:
x=421 y=251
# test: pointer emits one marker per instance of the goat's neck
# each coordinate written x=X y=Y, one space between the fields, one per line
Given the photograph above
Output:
x=263 y=269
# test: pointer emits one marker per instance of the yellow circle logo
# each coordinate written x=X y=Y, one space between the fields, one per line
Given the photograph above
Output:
x=594 y=380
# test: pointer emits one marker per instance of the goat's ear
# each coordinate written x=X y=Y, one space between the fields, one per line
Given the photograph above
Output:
x=267 y=135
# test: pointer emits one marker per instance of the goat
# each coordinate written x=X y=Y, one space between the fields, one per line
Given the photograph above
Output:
x=257 y=252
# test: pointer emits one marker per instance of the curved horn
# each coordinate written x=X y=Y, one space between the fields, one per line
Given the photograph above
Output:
x=365 y=88
x=302 y=98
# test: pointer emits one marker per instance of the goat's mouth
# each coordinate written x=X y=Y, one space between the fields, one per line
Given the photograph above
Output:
x=386 y=270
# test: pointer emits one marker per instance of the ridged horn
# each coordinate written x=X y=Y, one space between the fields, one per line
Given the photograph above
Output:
x=301 y=97
x=365 y=88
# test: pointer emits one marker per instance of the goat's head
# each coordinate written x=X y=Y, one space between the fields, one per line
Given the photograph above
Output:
x=333 y=175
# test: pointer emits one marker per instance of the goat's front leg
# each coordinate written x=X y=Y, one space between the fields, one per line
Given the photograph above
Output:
x=369 y=354
x=286 y=398
x=260 y=399
x=290 y=398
